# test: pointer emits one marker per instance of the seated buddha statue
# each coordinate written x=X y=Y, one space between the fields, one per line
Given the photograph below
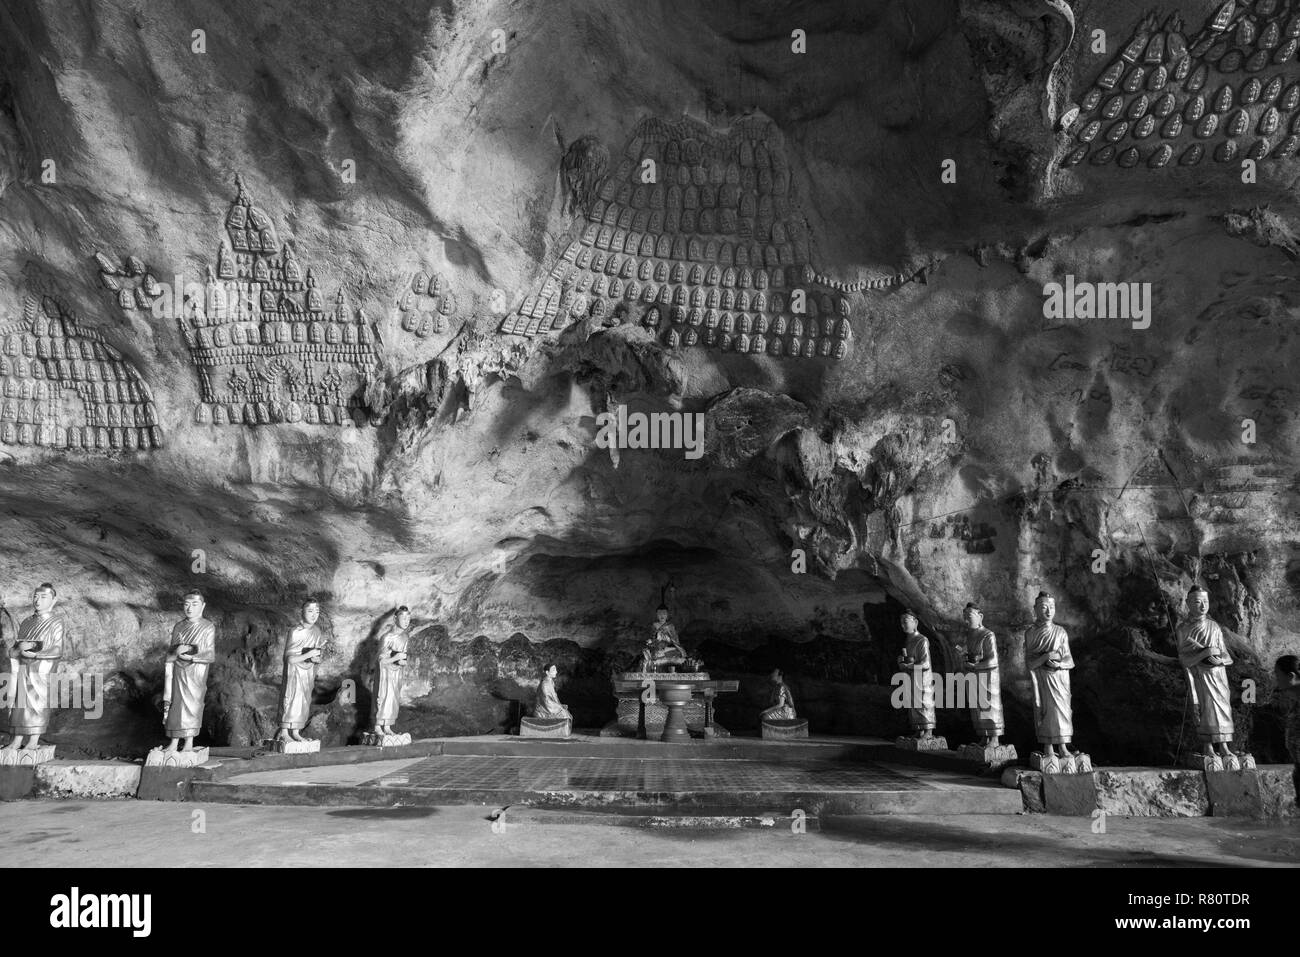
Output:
x=663 y=651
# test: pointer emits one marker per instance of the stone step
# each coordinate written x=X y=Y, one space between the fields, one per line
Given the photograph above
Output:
x=697 y=818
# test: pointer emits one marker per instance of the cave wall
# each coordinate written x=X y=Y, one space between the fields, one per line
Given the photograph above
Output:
x=964 y=447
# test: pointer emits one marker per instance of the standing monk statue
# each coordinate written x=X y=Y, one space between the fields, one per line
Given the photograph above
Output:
x=915 y=661
x=1047 y=656
x=38 y=646
x=389 y=670
x=982 y=659
x=185 y=673
x=301 y=653
x=1204 y=654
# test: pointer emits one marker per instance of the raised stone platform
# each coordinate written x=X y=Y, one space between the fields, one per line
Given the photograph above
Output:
x=785 y=728
x=372 y=740
x=909 y=743
x=162 y=758
x=545 y=727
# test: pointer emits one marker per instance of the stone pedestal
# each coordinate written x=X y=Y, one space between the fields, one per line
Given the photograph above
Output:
x=1076 y=763
x=638 y=718
x=782 y=729
x=159 y=758
x=1215 y=762
x=26 y=757
x=933 y=743
x=292 y=747
x=1070 y=793
x=545 y=727
x=995 y=756
x=371 y=739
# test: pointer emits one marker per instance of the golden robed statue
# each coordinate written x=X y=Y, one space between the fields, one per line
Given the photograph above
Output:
x=1048 y=658
x=301 y=653
x=185 y=673
x=1204 y=655
x=32 y=656
x=389 y=670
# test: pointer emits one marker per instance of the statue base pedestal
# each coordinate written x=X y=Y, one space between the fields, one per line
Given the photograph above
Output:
x=933 y=743
x=1217 y=762
x=1076 y=763
x=160 y=758
x=26 y=757
x=292 y=747
x=995 y=756
x=373 y=740
x=783 y=729
x=545 y=727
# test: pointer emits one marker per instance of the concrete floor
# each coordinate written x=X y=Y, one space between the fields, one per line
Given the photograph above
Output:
x=127 y=833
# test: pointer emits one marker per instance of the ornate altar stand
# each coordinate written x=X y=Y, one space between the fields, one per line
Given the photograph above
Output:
x=666 y=705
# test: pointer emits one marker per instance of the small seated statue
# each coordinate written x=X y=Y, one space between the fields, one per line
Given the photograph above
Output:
x=547 y=704
x=550 y=718
x=663 y=651
x=782 y=702
x=779 y=720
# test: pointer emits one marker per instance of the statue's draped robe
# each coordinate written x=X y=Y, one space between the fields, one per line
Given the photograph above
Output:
x=1044 y=644
x=782 y=704
x=984 y=646
x=917 y=647
x=548 y=703
x=299 y=679
x=189 y=679
x=1213 y=700
x=34 y=686
x=664 y=647
x=388 y=674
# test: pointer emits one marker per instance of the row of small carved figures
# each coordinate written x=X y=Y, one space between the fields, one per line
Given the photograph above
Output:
x=683 y=187
x=704 y=225
x=75 y=373
x=747 y=168
x=754 y=267
x=268 y=413
x=137 y=415
x=758 y=344
x=128 y=297
x=316 y=336
x=81 y=437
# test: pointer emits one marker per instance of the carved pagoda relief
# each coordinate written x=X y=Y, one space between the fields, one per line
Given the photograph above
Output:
x=268 y=345
x=63 y=387
x=1230 y=91
x=694 y=235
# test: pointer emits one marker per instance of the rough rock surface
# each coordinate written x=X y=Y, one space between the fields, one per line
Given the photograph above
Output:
x=965 y=447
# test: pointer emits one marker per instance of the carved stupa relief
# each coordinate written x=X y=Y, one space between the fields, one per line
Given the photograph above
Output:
x=268 y=345
x=63 y=387
x=712 y=252
x=1230 y=91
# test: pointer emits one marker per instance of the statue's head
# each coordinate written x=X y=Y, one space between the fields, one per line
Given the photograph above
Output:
x=1198 y=601
x=403 y=617
x=776 y=675
x=661 y=614
x=44 y=598
x=192 y=605
x=971 y=614
x=551 y=671
x=1045 y=606
x=310 y=611
x=1286 y=672
x=908 y=621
